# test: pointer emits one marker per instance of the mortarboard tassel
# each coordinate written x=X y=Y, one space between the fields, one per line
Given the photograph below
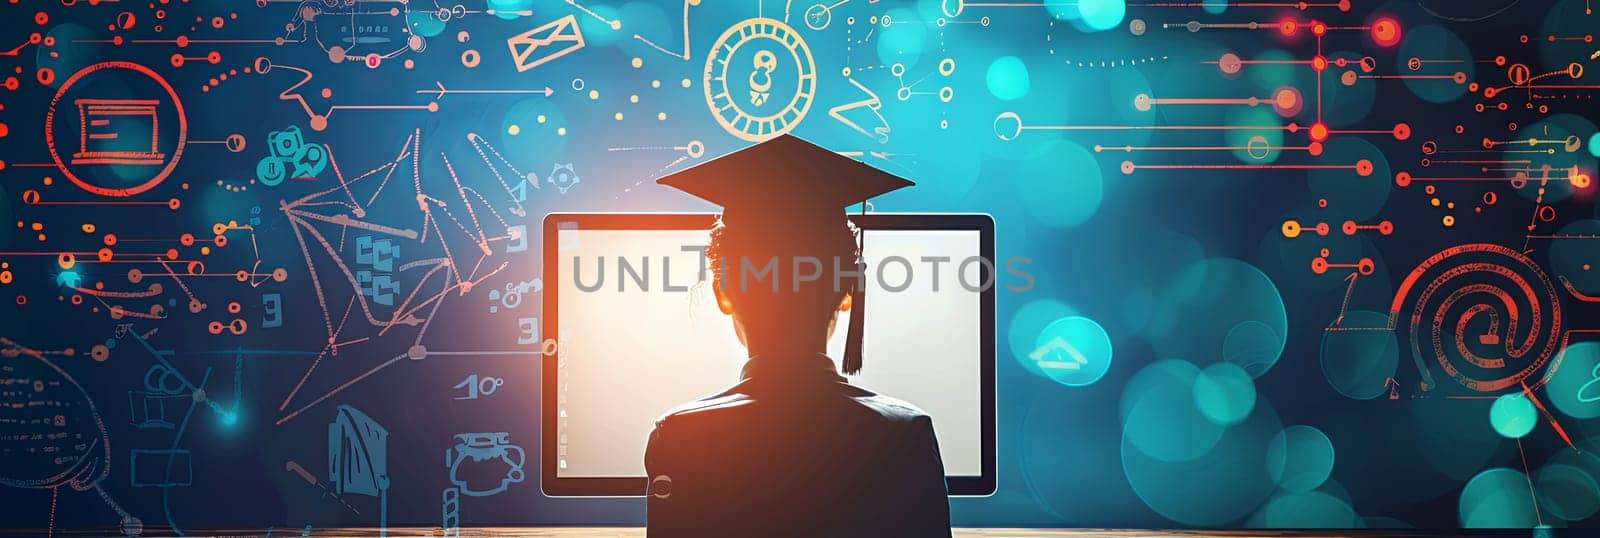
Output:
x=852 y=339
x=858 y=312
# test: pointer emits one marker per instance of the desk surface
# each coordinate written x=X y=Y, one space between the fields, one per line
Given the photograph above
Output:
x=638 y=532
x=610 y=532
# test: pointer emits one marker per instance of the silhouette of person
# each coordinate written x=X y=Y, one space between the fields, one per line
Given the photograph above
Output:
x=792 y=449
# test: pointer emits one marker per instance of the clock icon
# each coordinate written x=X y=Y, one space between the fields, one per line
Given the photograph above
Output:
x=760 y=79
x=818 y=16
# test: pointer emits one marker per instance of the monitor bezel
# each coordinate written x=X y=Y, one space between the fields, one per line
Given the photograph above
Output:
x=554 y=486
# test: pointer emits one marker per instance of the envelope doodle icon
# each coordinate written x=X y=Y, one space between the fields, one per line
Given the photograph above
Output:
x=553 y=40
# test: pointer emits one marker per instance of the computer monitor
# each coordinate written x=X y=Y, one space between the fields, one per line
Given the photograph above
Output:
x=651 y=337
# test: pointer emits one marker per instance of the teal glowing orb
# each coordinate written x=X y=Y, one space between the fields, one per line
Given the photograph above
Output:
x=1073 y=351
x=1300 y=458
x=1007 y=78
x=1102 y=14
x=1225 y=393
x=1513 y=416
x=1497 y=499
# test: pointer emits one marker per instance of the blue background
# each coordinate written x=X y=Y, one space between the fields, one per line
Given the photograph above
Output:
x=1184 y=269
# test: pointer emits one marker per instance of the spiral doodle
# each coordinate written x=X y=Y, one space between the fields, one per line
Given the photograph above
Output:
x=1489 y=315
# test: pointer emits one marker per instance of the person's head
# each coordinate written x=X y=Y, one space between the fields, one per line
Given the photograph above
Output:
x=784 y=288
x=783 y=216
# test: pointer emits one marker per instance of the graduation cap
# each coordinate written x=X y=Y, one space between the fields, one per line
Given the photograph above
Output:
x=787 y=184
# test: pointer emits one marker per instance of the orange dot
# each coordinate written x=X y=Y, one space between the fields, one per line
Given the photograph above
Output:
x=1319 y=132
x=1401 y=131
x=1319 y=63
x=1287 y=27
x=172 y=254
x=1286 y=98
x=1386 y=32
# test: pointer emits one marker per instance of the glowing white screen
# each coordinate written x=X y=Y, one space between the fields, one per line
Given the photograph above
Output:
x=628 y=356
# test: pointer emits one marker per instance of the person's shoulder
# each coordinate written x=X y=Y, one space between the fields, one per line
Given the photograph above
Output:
x=892 y=409
x=709 y=405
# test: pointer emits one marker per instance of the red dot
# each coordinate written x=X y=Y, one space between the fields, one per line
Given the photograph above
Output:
x=1287 y=27
x=1317 y=29
x=1319 y=132
x=1386 y=32
x=1319 y=63
x=1401 y=131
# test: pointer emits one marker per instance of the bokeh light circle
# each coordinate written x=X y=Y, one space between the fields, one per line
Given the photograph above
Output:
x=1567 y=491
x=1223 y=485
x=1102 y=14
x=1574 y=389
x=424 y=23
x=1027 y=323
x=1300 y=458
x=1253 y=345
x=1074 y=351
x=1513 y=415
x=1160 y=418
x=1358 y=363
x=1060 y=186
x=1431 y=41
x=1224 y=393
x=1306 y=510
x=1007 y=78
x=1236 y=315
x=1497 y=498
x=1062 y=451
